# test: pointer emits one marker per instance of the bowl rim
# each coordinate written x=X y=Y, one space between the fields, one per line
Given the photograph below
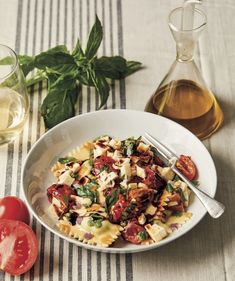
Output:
x=136 y=248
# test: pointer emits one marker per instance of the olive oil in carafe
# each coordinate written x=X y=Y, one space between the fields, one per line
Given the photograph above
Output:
x=188 y=104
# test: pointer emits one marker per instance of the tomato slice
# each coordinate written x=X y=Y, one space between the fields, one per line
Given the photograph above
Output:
x=187 y=167
x=14 y=208
x=18 y=247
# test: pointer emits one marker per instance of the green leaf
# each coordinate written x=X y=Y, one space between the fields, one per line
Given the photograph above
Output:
x=181 y=194
x=56 y=59
x=85 y=191
x=38 y=77
x=58 y=106
x=133 y=66
x=111 y=199
x=115 y=67
x=130 y=145
x=27 y=64
x=143 y=235
x=78 y=52
x=94 y=39
x=66 y=160
x=169 y=188
x=101 y=86
x=111 y=67
x=178 y=214
x=84 y=77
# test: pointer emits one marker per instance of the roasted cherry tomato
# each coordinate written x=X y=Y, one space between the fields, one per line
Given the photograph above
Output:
x=187 y=167
x=13 y=208
x=59 y=190
x=179 y=206
x=104 y=161
x=134 y=232
x=18 y=247
x=118 y=208
x=141 y=197
x=62 y=193
x=153 y=180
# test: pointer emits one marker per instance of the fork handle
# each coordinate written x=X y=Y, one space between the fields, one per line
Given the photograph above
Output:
x=213 y=207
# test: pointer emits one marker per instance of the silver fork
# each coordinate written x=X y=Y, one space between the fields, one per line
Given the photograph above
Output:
x=213 y=207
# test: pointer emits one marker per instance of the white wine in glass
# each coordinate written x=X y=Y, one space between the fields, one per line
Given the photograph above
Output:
x=14 y=102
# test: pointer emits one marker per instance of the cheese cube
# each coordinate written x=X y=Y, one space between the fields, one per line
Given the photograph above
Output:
x=150 y=210
x=166 y=173
x=85 y=169
x=98 y=151
x=156 y=232
x=75 y=167
x=126 y=171
x=106 y=179
x=140 y=172
x=142 y=147
x=116 y=144
x=132 y=185
x=117 y=155
x=86 y=202
x=66 y=178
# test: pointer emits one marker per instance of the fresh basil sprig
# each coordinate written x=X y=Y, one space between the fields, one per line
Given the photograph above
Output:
x=66 y=71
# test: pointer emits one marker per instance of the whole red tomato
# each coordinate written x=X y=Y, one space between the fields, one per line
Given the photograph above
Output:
x=14 y=208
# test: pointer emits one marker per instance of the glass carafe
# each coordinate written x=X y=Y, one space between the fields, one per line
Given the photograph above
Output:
x=183 y=95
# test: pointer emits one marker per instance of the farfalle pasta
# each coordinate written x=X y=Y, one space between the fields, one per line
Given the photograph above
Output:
x=109 y=189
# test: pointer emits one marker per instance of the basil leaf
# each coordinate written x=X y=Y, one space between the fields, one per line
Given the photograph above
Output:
x=178 y=214
x=84 y=191
x=101 y=86
x=111 y=67
x=133 y=66
x=181 y=194
x=116 y=67
x=57 y=59
x=111 y=199
x=94 y=39
x=84 y=76
x=27 y=64
x=78 y=52
x=143 y=235
x=169 y=188
x=130 y=145
x=58 y=106
x=66 y=160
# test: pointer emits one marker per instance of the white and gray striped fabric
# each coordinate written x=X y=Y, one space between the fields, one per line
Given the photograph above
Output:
x=136 y=29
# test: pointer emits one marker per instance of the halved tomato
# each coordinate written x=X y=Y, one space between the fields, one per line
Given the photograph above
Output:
x=187 y=167
x=18 y=247
x=13 y=208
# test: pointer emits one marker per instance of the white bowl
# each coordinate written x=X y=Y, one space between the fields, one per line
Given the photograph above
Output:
x=121 y=124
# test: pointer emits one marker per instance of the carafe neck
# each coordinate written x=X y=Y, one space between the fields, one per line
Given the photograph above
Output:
x=185 y=50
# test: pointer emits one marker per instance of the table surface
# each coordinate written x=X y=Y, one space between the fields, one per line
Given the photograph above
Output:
x=138 y=30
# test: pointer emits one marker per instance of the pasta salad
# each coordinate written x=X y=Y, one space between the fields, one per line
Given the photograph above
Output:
x=109 y=189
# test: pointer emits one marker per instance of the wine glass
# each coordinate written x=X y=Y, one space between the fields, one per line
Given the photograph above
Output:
x=14 y=101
